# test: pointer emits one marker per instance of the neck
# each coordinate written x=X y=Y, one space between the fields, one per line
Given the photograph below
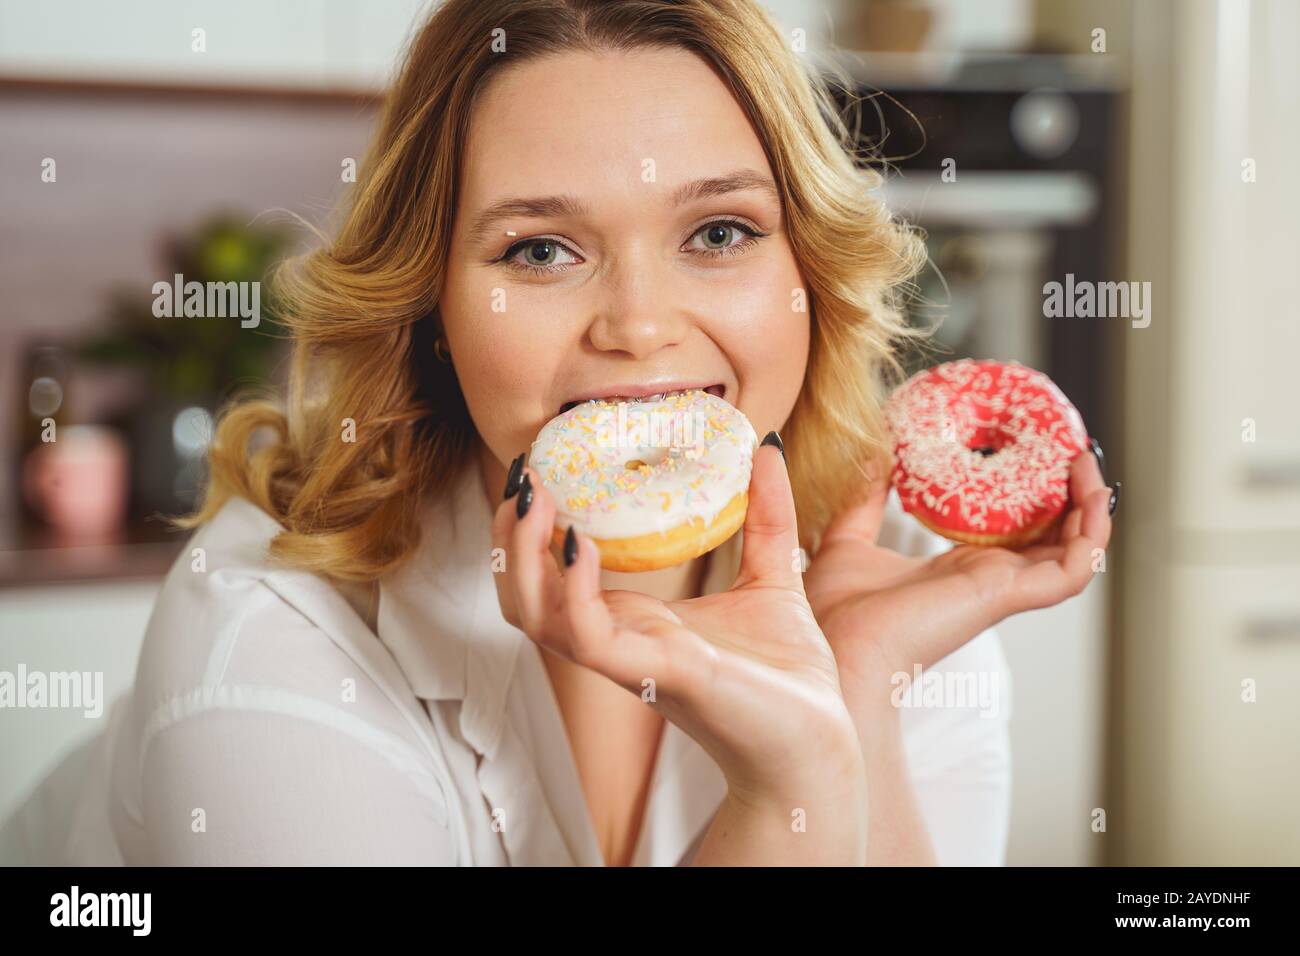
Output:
x=677 y=583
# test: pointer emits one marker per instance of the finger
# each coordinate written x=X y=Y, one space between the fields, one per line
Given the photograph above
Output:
x=770 y=536
x=1048 y=582
x=532 y=572
x=1086 y=487
x=1081 y=548
x=503 y=523
x=1070 y=526
x=1085 y=476
x=1064 y=526
x=1086 y=482
x=590 y=624
x=1095 y=524
x=1042 y=552
x=628 y=643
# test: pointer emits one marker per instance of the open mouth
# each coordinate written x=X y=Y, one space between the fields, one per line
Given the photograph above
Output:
x=717 y=390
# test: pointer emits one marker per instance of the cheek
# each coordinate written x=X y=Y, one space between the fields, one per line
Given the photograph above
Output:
x=504 y=361
x=767 y=308
x=766 y=335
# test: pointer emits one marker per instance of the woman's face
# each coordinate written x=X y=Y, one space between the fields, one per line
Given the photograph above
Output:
x=617 y=227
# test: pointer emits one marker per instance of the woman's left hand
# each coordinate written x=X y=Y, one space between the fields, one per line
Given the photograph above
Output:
x=883 y=612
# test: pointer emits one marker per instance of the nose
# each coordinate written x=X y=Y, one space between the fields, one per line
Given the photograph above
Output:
x=636 y=314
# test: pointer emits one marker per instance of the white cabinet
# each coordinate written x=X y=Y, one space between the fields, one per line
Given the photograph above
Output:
x=292 y=43
x=1234 y=716
x=1234 y=313
x=96 y=628
x=330 y=44
x=1206 y=775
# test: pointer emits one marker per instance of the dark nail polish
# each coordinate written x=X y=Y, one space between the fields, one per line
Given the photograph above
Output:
x=1114 y=497
x=1099 y=455
x=525 y=498
x=512 y=479
x=570 y=547
x=772 y=438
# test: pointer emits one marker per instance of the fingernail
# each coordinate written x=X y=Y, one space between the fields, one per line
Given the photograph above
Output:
x=1114 y=497
x=570 y=547
x=512 y=479
x=772 y=438
x=525 y=498
x=1099 y=455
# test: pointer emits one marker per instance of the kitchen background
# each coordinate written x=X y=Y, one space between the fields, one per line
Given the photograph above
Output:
x=1149 y=142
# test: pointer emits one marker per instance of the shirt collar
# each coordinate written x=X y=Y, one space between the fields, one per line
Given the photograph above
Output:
x=440 y=618
x=438 y=613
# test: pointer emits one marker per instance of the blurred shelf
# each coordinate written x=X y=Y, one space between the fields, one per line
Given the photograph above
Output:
x=144 y=552
x=995 y=200
x=992 y=71
x=151 y=88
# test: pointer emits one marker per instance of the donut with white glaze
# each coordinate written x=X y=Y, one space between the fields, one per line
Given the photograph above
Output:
x=653 y=483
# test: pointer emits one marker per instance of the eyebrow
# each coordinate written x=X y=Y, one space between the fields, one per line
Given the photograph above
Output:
x=569 y=206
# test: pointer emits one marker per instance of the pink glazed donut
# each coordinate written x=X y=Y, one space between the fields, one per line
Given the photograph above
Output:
x=982 y=451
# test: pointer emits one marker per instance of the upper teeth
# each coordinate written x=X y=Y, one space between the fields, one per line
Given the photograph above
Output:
x=657 y=397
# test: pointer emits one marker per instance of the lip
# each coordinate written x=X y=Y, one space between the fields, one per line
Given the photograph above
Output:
x=641 y=390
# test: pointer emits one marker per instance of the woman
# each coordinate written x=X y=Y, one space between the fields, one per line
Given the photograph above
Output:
x=372 y=654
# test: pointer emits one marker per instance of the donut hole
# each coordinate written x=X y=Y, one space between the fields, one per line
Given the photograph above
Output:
x=647 y=457
x=987 y=442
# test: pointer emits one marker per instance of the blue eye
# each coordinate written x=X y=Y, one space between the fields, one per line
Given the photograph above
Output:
x=719 y=241
x=540 y=255
x=722 y=237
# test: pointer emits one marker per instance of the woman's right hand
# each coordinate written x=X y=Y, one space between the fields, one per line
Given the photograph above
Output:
x=746 y=672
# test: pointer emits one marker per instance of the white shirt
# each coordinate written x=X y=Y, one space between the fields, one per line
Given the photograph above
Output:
x=269 y=723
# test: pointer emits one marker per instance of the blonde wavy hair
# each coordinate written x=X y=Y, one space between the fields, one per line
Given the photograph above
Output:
x=363 y=315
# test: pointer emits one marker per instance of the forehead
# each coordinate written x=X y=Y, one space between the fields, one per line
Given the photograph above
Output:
x=579 y=121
